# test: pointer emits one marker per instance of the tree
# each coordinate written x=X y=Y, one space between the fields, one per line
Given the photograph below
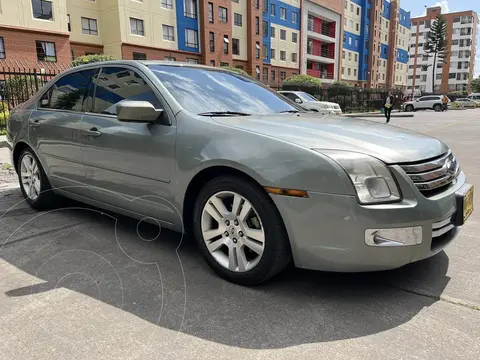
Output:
x=237 y=70
x=475 y=85
x=436 y=44
x=307 y=83
x=87 y=59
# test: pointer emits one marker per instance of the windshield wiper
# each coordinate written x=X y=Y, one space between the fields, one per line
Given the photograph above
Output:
x=224 y=113
x=289 y=111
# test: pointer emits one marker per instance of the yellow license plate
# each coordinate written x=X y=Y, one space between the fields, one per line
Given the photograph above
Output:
x=468 y=204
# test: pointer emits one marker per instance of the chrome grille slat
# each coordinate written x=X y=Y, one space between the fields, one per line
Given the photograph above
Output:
x=433 y=174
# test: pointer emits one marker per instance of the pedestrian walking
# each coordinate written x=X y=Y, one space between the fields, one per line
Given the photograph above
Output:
x=445 y=101
x=388 y=106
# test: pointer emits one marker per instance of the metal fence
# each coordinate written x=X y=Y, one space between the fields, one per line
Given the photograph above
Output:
x=352 y=99
x=18 y=84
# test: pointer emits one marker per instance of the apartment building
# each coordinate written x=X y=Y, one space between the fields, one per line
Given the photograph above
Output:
x=321 y=39
x=457 y=73
x=375 y=44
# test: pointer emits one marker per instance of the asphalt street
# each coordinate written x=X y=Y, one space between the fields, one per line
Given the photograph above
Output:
x=78 y=283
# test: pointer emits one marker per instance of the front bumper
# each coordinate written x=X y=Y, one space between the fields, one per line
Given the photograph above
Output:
x=330 y=232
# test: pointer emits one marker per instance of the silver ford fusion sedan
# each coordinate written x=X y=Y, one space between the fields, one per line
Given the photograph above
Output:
x=257 y=181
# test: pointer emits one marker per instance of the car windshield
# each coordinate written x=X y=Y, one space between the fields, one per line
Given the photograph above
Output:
x=306 y=97
x=205 y=91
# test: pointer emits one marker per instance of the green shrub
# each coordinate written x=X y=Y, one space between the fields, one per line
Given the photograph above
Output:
x=303 y=80
x=4 y=114
x=87 y=59
x=237 y=70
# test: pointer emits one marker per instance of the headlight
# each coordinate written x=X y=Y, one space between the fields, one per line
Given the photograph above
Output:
x=370 y=177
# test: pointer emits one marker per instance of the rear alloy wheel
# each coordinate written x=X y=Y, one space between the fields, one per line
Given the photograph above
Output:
x=33 y=181
x=437 y=107
x=409 y=108
x=240 y=231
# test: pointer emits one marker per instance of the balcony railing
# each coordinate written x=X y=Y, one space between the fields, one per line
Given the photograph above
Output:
x=321 y=29
x=320 y=74
x=318 y=51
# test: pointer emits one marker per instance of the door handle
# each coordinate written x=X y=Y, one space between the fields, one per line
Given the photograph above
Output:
x=35 y=123
x=92 y=132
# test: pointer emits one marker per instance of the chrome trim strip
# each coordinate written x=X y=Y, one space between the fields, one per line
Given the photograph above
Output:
x=440 y=224
x=431 y=185
x=426 y=166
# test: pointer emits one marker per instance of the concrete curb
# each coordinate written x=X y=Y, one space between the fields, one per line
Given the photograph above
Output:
x=379 y=115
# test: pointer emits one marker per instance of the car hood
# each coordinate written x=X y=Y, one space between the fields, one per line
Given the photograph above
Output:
x=388 y=143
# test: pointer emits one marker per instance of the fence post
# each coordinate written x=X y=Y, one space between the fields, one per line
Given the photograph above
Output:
x=36 y=79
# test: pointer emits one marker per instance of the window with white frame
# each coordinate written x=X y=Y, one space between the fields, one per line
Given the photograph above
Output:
x=168 y=32
x=89 y=26
x=136 y=27
x=167 y=4
x=191 y=38
x=42 y=9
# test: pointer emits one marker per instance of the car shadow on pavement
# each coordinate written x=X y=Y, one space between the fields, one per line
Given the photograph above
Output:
x=162 y=278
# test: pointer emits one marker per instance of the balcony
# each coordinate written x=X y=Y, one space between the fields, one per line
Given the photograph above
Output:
x=319 y=51
x=324 y=75
x=321 y=29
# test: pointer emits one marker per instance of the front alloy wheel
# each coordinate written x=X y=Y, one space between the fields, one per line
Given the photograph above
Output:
x=30 y=177
x=233 y=231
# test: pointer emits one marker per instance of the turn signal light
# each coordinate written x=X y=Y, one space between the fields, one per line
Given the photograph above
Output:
x=287 y=192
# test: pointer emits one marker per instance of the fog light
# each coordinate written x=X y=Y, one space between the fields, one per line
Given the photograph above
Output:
x=394 y=237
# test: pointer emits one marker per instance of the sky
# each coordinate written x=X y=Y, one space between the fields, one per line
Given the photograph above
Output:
x=417 y=8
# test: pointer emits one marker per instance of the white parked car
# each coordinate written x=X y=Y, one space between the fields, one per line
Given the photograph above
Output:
x=433 y=102
x=474 y=97
x=465 y=102
x=309 y=102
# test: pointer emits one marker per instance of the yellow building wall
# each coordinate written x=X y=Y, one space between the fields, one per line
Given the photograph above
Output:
x=285 y=45
x=19 y=13
x=350 y=61
x=240 y=33
x=352 y=19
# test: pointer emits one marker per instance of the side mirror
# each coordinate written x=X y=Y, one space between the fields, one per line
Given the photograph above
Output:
x=137 y=111
x=44 y=102
x=298 y=101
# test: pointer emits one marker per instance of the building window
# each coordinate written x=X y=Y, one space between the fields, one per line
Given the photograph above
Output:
x=264 y=6
x=139 y=56
x=265 y=52
x=192 y=61
x=224 y=64
x=237 y=19
x=283 y=55
x=294 y=57
x=257 y=50
x=191 y=38
x=222 y=14
x=356 y=57
x=265 y=74
x=42 y=9
x=294 y=37
x=235 y=47
x=283 y=34
x=355 y=72
x=169 y=58
x=225 y=45
x=283 y=75
x=343 y=54
x=272 y=54
x=167 y=4
x=295 y=17
x=273 y=10
x=349 y=56
x=211 y=38
x=2 y=48
x=343 y=70
x=272 y=32
x=190 y=8
x=349 y=71
x=46 y=51
x=357 y=26
x=168 y=33
x=136 y=27
x=257 y=25
x=358 y=10
x=210 y=13
x=265 y=29
x=89 y=26
x=212 y=63
x=69 y=25
x=283 y=13
x=272 y=75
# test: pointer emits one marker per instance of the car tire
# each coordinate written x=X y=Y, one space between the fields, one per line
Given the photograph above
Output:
x=227 y=252
x=437 y=107
x=409 y=108
x=34 y=184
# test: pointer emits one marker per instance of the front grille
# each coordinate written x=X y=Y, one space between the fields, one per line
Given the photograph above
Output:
x=433 y=176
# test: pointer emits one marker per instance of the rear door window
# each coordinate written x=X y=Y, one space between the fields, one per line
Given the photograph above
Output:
x=69 y=92
x=115 y=84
